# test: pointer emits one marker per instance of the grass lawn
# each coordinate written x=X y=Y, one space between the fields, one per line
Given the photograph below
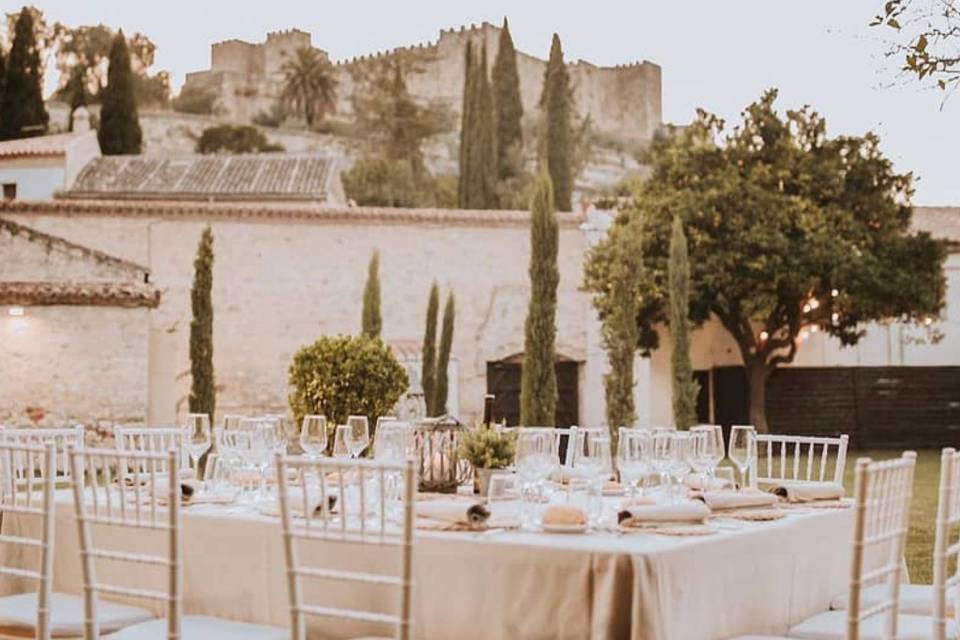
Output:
x=923 y=512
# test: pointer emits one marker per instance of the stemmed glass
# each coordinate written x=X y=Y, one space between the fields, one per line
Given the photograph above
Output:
x=661 y=454
x=197 y=437
x=313 y=435
x=680 y=456
x=703 y=452
x=358 y=436
x=341 y=438
x=593 y=463
x=742 y=450
x=536 y=459
x=633 y=457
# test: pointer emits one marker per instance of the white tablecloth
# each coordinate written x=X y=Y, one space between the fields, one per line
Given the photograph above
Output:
x=760 y=577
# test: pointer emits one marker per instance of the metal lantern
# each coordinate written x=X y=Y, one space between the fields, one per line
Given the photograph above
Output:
x=438 y=462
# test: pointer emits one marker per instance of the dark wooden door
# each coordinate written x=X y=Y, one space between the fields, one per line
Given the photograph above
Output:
x=503 y=381
x=731 y=397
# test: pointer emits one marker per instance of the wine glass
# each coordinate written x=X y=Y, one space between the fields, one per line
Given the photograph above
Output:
x=197 y=437
x=660 y=453
x=720 y=453
x=359 y=435
x=703 y=448
x=593 y=454
x=743 y=449
x=633 y=456
x=536 y=459
x=341 y=437
x=313 y=435
x=392 y=442
x=680 y=456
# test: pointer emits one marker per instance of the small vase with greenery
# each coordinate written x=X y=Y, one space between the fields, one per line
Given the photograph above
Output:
x=488 y=450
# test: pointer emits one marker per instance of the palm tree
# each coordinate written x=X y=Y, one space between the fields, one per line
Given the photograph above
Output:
x=309 y=85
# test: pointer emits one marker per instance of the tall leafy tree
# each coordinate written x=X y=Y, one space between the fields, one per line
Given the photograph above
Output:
x=203 y=394
x=509 y=108
x=538 y=385
x=789 y=230
x=927 y=41
x=555 y=102
x=466 y=128
x=443 y=357
x=685 y=388
x=482 y=188
x=372 y=322
x=619 y=332
x=428 y=354
x=309 y=85
x=22 y=112
x=119 y=121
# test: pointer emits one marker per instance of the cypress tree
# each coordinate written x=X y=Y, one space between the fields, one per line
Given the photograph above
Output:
x=372 y=323
x=466 y=128
x=22 y=112
x=538 y=390
x=508 y=107
x=428 y=354
x=685 y=387
x=443 y=358
x=119 y=124
x=555 y=104
x=483 y=143
x=202 y=390
x=3 y=78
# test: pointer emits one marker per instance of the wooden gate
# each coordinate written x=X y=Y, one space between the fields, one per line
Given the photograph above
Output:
x=503 y=381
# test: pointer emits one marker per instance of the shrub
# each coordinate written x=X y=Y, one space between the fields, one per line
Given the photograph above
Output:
x=345 y=375
x=234 y=139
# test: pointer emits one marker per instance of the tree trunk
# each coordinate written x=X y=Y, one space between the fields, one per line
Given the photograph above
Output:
x=757 y=383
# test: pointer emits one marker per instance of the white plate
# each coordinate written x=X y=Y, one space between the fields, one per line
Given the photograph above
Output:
x=565 y=528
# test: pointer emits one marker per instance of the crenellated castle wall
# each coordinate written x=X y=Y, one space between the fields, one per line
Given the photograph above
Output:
x=624 y=100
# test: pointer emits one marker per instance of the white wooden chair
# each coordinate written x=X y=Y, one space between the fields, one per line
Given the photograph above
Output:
x=882 y=493
x=940 y=598
x=61 y=438
x=807 y=458
x=153 y=439
x=128 y=499
x=324 y=513
x=27 y=492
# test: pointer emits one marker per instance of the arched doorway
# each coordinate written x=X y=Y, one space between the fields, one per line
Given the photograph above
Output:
x=503 y=381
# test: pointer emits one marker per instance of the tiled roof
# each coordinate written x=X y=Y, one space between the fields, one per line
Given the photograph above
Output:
x=942 y=223
x=55 y=145
x=265 y=176
x=65 y=246
x=100 y=294
x=282 y=211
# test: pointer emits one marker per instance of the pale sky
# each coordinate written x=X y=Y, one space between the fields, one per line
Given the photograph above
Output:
x=716 y=54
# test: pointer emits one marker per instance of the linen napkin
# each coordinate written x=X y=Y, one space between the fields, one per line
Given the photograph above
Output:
x=462 y=512
x=719 y=500
x=807 y=490
x=694 y=481
x=636 y=514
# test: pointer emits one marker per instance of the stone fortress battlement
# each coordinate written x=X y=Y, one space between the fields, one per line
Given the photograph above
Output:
x=624 y=100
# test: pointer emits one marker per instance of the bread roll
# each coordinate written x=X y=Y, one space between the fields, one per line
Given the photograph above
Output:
x=563 y=515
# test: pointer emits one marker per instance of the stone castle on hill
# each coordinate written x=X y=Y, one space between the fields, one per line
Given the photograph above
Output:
x=246 y=79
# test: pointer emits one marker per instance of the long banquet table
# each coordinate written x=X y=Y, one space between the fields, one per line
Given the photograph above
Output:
x=756 y=577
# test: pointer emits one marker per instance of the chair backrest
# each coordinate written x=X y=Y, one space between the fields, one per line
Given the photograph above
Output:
x=347 y=501
x=948 y=517
x=882 y=492
x=784 y=457
x=124 y=489
x=153 y=439
x=28 y=480
x=61 y=438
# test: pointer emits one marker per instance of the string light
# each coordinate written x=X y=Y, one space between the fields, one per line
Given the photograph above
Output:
x=814 y=303
x=834 y=293
x=928 y=321
x=764 y=335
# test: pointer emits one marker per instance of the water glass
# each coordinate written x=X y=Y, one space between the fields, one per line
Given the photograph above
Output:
x=197 y=437
x=313 y=435
x=341 y=438
x=536 y=459
x=633 y=457
x=359 y=435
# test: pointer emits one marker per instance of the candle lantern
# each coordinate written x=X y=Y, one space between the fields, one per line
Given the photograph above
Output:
x=439 y=465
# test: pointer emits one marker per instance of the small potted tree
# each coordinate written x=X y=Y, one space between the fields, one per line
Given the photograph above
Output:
x=487 y=450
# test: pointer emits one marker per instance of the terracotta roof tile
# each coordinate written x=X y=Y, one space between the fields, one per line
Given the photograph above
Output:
x=258 y=177
x=304 y=211
x=94 y=294
x=55 y=145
